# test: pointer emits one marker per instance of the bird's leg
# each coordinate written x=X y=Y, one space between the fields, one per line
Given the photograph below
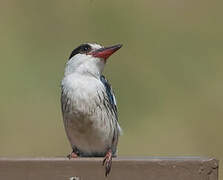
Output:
x=108 y=162
x=73 y=154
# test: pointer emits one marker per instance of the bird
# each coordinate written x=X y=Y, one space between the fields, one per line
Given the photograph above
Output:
x=88 y=104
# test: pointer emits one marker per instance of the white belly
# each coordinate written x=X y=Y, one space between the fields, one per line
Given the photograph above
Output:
x=88 y=125
x=89 y=134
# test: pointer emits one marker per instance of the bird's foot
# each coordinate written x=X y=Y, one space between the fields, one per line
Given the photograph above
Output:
x=108 y=162
x=72 y=155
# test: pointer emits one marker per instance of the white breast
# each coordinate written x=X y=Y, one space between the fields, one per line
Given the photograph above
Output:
x=87 y=124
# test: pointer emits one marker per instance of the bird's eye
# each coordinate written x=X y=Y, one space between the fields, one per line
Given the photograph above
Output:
x=82 y=49
x=85 y=48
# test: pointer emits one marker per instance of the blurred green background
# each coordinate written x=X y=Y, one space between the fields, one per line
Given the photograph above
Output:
x=167 y=77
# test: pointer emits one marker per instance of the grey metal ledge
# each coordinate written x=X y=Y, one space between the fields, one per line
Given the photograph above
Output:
x=129 y=168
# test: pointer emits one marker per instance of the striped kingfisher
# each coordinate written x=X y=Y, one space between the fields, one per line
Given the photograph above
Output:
x=88 y=104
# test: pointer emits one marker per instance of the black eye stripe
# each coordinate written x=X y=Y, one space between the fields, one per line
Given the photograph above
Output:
x=82 y=49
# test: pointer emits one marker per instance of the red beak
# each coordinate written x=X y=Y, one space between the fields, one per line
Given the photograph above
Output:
x=105 y=52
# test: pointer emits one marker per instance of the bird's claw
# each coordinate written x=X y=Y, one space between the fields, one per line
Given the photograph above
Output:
x=107 y=162
x=72 y=155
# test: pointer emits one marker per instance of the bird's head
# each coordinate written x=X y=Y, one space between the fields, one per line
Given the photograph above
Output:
x=89 y=59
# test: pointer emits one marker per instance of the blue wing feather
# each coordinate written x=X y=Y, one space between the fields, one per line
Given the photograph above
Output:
x=110 y=94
